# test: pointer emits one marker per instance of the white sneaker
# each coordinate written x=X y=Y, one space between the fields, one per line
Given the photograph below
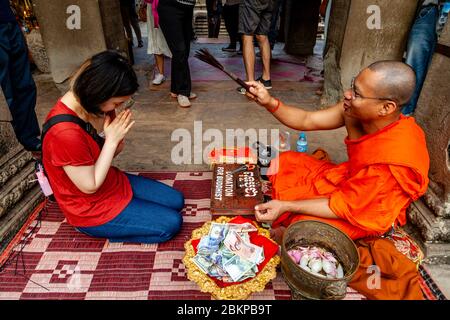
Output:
x=191 y=96
x=159 y=78
x=183 y=101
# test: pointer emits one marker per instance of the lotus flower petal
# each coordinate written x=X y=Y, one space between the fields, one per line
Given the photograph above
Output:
x=328 y=267
x=329 y=256
x=296 y=255
x=305 y=268
x=315 y=265
x=304 y=260
x=340 y=271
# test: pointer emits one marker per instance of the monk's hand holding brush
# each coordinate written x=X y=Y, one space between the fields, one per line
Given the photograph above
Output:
x=260 y=94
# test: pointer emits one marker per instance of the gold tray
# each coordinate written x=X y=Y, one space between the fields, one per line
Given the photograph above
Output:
x=239 y=291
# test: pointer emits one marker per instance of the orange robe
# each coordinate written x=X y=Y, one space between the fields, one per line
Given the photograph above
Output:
x=385 y=273
x=386 y=171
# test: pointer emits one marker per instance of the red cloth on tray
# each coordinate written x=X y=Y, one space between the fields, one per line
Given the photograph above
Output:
x=270 y=249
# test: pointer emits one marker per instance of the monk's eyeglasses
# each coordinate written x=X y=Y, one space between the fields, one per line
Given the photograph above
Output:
x=358 y=96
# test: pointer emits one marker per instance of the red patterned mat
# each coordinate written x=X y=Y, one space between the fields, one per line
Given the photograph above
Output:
x=57 y=262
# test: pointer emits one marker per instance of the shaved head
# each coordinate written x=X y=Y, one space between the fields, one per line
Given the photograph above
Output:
x=395 y=80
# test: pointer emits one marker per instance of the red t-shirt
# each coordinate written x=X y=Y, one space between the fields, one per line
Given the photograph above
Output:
x=66 y=144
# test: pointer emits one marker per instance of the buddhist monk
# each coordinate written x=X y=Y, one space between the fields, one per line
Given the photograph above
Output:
x=387 y=165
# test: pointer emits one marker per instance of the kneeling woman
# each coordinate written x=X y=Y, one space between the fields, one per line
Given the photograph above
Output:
x=97 y=198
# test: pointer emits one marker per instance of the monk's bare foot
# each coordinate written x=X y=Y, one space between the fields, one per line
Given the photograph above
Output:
x=277 y=234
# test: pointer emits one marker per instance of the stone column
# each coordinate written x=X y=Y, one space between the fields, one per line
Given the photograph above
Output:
x=18 y=196
x=74 y=30
x=355 y=41
x=301 y=24
x=432 y=213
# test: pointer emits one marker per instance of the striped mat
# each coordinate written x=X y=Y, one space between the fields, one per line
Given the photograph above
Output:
x=49 y=259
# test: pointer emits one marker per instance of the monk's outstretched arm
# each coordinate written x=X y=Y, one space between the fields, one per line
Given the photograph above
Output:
x=297 y=118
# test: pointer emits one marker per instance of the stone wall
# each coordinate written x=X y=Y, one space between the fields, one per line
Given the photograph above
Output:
x=113 y=26
x=355 y=42
x=18 y=195
x=100 y=28
x=301 y=25
x=432 y=213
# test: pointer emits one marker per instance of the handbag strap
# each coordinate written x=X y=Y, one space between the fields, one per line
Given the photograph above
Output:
x=86 y=126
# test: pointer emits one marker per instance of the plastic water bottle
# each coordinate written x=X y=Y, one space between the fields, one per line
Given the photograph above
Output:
x=302 y=143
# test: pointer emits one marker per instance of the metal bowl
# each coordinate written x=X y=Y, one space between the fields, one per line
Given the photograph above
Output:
x=305 y=284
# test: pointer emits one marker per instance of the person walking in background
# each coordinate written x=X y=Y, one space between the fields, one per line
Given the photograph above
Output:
x=255 y=17
x=421 y=44
x=175 y=19
x=214 y=10
x=231 y=17
x=130 y=18
x=157 y=44
x=325 y=11
x=16 y=81
x=275 y=22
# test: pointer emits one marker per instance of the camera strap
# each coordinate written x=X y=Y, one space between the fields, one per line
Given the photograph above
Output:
x=86 y=126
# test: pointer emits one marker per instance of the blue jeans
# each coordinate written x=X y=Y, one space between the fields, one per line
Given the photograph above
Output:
x=152 y=216
x=18 y=85
x=421 y=44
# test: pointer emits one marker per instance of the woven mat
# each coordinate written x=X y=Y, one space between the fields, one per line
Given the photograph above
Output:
x=57 y=262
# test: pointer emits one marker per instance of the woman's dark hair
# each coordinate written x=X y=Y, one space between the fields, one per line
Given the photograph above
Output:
x=102 y=77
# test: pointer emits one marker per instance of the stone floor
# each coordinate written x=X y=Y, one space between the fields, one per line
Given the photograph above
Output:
x=218 y=106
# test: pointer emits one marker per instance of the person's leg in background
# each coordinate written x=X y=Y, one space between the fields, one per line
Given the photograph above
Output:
x=249 y=56
x=125 y=12
x=18 y=86
x=327 y=19
x=264 y=46
x=134 y=20
x=248 y=22
x=420 y=48
x=177 y=28
x=236 y=26
x=159 y=74
x=213 y=8
x=187 y=37
x=228 y=18
x=275 y=23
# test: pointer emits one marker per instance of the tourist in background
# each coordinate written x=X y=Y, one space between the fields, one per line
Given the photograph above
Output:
x=214 y=10
x=16 y=80
x=231 y=17
x=130 y=18
x=157 y=44
x=255 y=17
x=175 y=19
x=421 y=44
x=275 y=22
